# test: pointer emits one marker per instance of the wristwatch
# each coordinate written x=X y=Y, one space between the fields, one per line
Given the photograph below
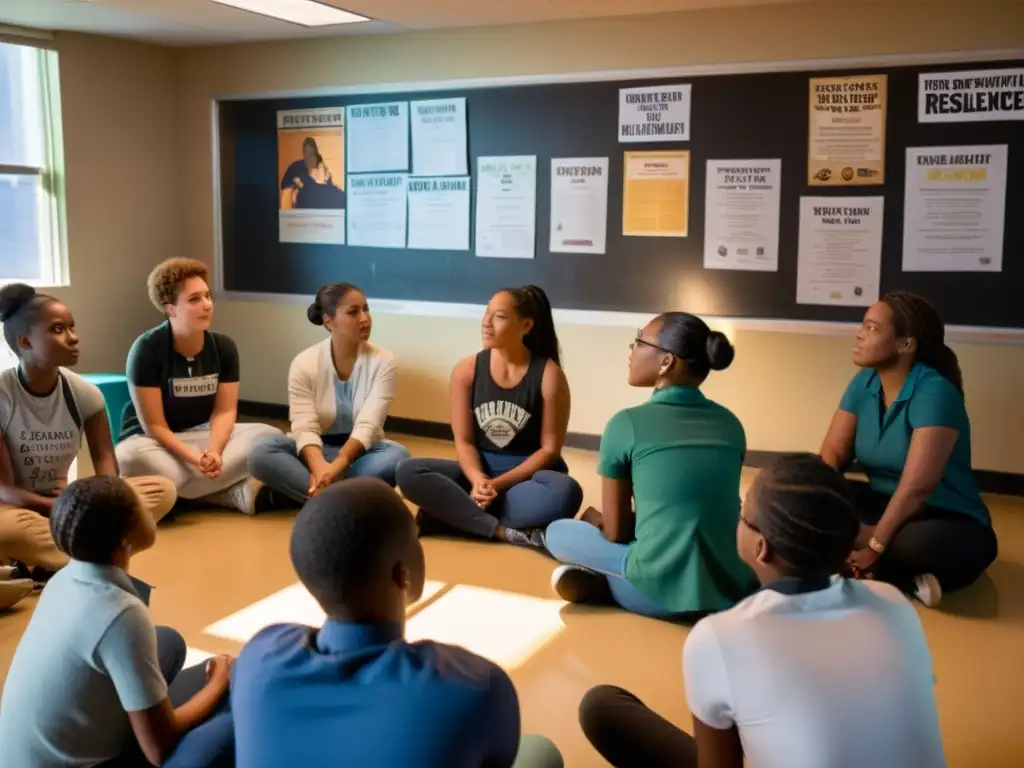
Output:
x=876 y=545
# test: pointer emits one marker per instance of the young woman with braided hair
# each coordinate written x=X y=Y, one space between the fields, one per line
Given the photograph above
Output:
x=510 y=413
x=925 y=528
x=764 y=680
x=670 y=488
x=88 y=685
x=45 y=411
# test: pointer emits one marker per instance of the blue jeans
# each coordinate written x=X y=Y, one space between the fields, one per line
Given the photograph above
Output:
x=441 y=491
x=274 y=460
x=578 y=543
x=209 y=745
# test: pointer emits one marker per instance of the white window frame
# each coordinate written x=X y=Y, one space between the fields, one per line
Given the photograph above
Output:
x=54 y=270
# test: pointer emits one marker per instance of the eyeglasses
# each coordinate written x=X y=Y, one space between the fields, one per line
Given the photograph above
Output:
x=639 y=340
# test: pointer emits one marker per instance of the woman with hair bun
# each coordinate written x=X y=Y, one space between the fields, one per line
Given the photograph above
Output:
x=926 y=528
x=45 y=411
x=510 y=413
x=665 y=544
x=339 y=393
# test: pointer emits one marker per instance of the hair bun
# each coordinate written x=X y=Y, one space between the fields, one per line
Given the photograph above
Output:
x=315 y=314
x=13 y=297
x=720 y=351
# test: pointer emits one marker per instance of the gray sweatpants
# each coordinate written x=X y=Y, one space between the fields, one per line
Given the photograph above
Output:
x=143 y=455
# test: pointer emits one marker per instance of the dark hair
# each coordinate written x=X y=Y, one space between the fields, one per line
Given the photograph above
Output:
x=327 y=300
x=689 y=338
x=92 y=516
x=915 y=317
x=20 y=307
x=310 y=142
x=542 y=340
x=806 y=512
x=344 y=538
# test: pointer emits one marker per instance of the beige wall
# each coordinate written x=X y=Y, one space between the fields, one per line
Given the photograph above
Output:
x=117 y=99
x=783 y=386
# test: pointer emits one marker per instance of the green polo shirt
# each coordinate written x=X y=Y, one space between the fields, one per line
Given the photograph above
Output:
x=926 y=399
x=683 y=454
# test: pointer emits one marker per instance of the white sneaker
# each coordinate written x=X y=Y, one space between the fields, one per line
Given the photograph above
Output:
x=928 y=590
x=241 y=496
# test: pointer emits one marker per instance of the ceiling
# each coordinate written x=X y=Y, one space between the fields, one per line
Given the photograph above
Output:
x=198 y=22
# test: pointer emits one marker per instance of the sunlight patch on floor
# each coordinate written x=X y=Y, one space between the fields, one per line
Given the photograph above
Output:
x=505 y=627
x=291 y=605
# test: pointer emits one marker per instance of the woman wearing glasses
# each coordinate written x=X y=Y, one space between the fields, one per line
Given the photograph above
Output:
x=665 y=545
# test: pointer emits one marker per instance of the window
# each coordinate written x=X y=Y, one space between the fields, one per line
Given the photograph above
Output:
x=32 y=230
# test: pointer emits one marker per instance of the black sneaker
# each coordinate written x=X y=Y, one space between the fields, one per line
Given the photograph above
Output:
x=532 y=539
x=576 y=584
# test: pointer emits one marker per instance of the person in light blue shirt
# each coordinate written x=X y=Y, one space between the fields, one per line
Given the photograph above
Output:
x=926 y=528
x=355 y=692
x=88 y=685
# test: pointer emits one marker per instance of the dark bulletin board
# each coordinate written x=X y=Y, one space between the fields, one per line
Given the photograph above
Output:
x=735 y=116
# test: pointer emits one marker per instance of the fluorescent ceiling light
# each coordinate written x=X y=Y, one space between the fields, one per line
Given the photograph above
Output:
x=308 y=13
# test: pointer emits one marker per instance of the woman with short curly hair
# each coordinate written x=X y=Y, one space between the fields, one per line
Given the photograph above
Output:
x=184 y=379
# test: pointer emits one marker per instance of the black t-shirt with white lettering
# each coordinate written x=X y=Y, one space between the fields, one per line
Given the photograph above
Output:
x=188 y=388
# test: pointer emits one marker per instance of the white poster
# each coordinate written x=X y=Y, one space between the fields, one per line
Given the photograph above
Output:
x=839 y=259
x=439 y=213
x=439 y=137
x=970 y=97
x=579 y=205
x=378 y=137
x=506 y=206
x=955 y=209
x=657 y=113
x=741 y=215
x=376 y=210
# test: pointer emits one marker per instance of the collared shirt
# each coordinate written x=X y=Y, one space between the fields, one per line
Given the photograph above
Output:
x=683 y=455
x=87 y=658
x=818 y=678
x=360 y=695
x=926 y=399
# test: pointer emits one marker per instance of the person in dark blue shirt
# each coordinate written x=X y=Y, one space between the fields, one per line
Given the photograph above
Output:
x=308 y=183
x=355 y=692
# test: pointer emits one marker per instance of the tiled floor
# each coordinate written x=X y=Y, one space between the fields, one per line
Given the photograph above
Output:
x=219 y=576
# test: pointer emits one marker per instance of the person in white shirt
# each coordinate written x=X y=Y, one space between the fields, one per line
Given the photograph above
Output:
x=45 y=411
x=339 y=392
x=812 y=671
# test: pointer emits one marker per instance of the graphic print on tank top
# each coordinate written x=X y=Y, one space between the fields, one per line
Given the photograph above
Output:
x=508 y=420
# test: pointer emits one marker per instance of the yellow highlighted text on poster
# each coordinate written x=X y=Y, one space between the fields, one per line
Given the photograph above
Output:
x=656 y=194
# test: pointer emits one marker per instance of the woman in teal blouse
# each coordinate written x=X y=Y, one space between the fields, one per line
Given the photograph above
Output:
x=666 y=542
x=925 y=527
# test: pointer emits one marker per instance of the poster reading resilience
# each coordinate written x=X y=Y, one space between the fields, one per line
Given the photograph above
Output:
x=311 y=175
x=971 y=97
x=657 y=113
x=846 y=144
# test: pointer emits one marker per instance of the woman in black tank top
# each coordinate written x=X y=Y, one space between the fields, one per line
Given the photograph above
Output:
x=510 y=413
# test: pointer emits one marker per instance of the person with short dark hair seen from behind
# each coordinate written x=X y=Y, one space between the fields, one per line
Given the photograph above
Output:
x=88 y=685
x=813 y=671
x=339 y=393
x=45 y=411
x=355 y=692
x=925 y=527
x=182 y=422
x=677 y=458
x=510 y=413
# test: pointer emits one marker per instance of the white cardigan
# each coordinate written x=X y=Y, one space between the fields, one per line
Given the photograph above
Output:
x=312 y=407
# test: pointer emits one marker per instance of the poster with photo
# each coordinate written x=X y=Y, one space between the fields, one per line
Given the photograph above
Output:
x=311 y=175
x=846 y=143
